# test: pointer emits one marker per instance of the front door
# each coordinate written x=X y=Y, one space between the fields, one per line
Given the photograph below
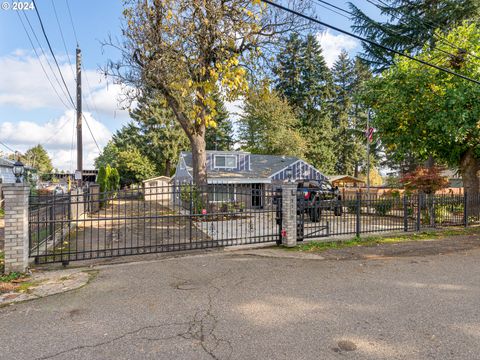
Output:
x=257 y=196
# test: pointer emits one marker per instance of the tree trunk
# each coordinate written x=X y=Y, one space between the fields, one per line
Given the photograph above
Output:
x=168 y=167
x=199 y=158
x=469 y=166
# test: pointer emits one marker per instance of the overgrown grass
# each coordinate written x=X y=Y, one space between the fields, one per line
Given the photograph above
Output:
x=318 y=246
x=10 y=277
x=2 y=262
x=2 y=213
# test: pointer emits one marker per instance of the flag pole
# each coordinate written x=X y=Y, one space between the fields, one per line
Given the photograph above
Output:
x=368 y=151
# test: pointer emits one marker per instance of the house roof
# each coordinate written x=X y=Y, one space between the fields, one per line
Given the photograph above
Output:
x=345 y=178
x=6 y=162
x=261 y=166
x=157 y=178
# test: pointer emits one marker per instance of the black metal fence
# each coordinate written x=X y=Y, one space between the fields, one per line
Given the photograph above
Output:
x=362 y=214
x=153 y=219
x=181 y=216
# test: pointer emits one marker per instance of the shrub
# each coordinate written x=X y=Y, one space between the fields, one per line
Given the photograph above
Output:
x=351 y=206
x=191 y=193
x=383 y=207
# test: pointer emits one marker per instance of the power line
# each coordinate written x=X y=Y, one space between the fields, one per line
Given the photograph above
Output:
x=7 y=147
x=63 y=39
x=44 y=55
x=39 y=60
x=384 y=28
x=53 y=54
x=422 y=23
x=309 y=18
x=71 y=21
x=91 y=133
x=332 y=10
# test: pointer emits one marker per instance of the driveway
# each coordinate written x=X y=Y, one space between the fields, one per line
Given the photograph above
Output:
x=234 y=306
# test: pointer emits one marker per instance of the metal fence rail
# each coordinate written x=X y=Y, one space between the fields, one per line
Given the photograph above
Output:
x=154 y=219
x=364 y=214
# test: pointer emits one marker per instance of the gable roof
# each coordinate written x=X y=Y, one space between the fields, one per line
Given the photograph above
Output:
x=6 y=162
x=261 y=166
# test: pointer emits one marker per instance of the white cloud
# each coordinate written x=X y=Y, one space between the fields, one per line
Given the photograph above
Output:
x=24 y=85
x=56 y=136
x=332 y=45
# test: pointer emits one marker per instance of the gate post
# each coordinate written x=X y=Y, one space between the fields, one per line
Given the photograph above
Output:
x=405 y=213
x=289 y=215
x=16 y=227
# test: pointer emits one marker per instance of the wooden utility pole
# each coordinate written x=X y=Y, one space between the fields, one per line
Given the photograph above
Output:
x=79 y=117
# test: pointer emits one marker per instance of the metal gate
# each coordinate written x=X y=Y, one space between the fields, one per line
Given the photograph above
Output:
x=85 y=225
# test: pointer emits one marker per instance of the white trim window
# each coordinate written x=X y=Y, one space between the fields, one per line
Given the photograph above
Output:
x=221 y=193
x=225 y=161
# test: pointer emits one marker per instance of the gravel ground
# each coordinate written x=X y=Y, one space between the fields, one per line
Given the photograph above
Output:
x=238 y=306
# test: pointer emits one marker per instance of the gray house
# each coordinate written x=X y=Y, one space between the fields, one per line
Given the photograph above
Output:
x=237 y=176
x=6 y=173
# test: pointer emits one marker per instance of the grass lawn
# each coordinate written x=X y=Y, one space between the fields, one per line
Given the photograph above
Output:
x=318 y=246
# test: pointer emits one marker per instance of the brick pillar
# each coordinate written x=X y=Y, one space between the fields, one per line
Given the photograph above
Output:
x=289 y=215
x=16 y=227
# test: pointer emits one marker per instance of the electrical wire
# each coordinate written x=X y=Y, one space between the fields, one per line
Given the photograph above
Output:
x=53 y=54
x=432 y=26
x=71 y=21
x=39 y=60
x=63 y=38
x=91 y=133
x=309 y=18
x=45 y=55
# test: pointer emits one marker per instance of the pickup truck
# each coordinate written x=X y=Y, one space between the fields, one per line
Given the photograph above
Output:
x=313 y=196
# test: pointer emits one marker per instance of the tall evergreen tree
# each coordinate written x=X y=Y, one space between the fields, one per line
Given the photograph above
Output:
x=303 y=78
x=409 y=26
x=220 y=137
x=343 y=74
x=161 y=137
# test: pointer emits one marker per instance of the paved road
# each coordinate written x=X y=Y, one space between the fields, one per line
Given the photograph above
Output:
x=231 y=306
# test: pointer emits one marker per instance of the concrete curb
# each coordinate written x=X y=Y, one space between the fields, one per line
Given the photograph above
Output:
x=46 y=283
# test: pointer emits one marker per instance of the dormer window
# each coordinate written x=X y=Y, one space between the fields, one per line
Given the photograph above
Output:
x=225 y=161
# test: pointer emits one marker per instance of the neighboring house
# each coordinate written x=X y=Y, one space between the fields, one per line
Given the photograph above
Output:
x=454 y=178
x=346 y=181
x=158 y=189
x=237 y=176
x=6 y=173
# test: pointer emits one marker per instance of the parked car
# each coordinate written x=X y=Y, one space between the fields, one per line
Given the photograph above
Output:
x=314 y=196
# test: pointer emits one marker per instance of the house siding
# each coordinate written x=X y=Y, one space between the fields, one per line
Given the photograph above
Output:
x=300 y=170
x=243 y=161
x=182 y=174
x=6 y=175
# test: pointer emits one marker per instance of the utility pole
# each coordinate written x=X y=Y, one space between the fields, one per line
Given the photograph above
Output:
x=79 y=117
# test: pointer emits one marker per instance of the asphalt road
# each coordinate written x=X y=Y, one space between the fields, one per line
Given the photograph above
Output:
x=231 y=306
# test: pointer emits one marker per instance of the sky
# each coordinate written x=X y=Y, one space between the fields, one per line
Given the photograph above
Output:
x=31 y=113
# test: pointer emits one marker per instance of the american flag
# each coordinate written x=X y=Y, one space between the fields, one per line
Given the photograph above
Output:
x=369 y=134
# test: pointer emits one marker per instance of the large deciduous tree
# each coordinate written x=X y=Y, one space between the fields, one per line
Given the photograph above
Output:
x=185 y=49
x=429 y=112
x=37 y=157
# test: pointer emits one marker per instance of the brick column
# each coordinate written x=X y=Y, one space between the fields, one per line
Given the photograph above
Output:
x=16 y=227
x=289 y=215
